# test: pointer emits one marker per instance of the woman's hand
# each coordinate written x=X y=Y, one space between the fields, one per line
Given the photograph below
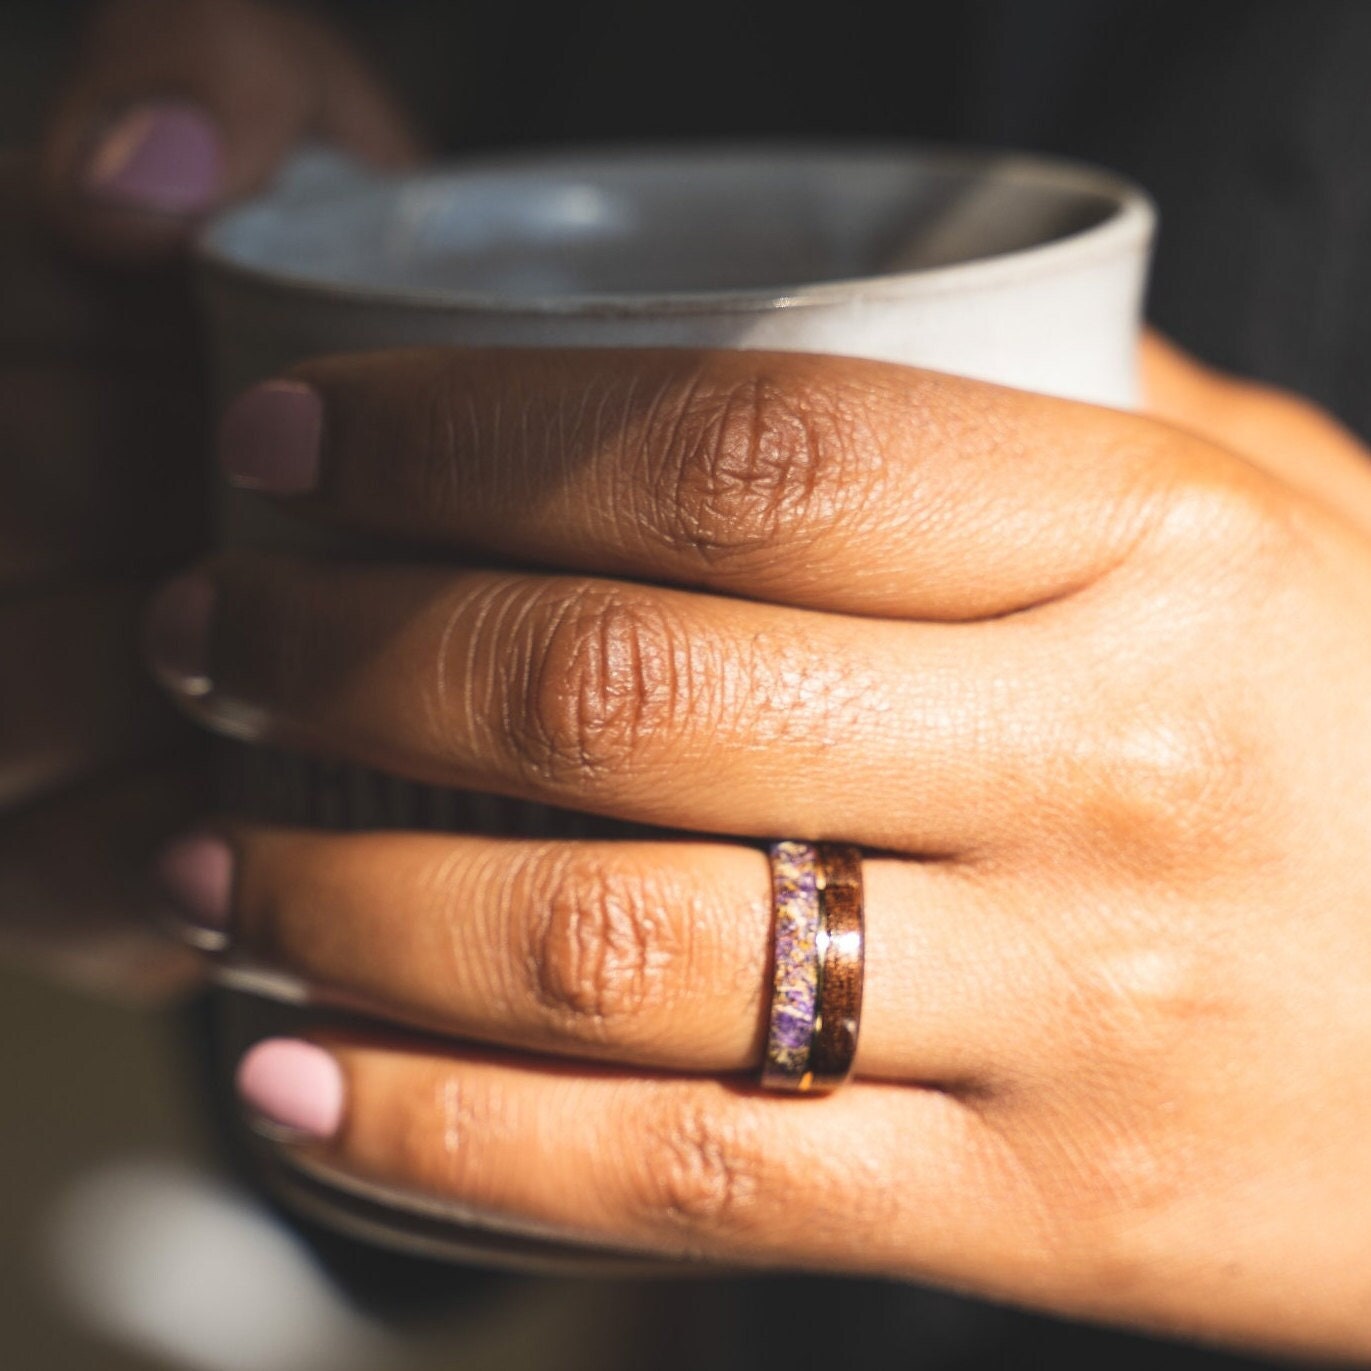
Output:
x=1094 y=692
x=172 y=109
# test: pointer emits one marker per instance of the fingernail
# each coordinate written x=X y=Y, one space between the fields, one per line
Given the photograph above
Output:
x=293 y=1086
x=196 y=873
x=176 y=633
x=269 y=438
x=165 y=156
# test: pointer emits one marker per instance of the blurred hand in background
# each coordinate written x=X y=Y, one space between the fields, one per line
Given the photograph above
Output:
x=170 y=109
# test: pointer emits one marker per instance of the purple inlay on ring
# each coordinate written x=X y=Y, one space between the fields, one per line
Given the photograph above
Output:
x=795 y=981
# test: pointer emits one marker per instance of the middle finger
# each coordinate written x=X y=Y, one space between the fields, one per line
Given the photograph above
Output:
x=649 y=953
x=659 y=706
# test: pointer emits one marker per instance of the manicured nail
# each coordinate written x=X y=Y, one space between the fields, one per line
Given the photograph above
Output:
x=176 y=633
x=166 y=156
x=293 y=1086
x=269 y=438
x=196 y=872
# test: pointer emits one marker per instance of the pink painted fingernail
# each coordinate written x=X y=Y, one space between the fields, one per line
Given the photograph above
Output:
x=269 y=438
x=165 y=156
x=294 y=1086
x=176 y=632
x=196 y=872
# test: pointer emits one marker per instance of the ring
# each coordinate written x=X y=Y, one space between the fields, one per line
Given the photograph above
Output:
x=817 y=963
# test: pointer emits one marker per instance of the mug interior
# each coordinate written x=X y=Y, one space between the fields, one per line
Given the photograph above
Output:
x=672 y=223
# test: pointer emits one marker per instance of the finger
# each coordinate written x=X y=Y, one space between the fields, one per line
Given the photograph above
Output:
x=76 y=699
x=94 y=475
x=820 y=481
x=75 y=893
x=175 y=107
x=1282 y=433
x=668 y=708
x=690 y=1168
x=653 y=954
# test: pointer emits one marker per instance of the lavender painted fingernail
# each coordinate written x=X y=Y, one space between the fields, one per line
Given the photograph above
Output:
x=293 y=1087
x=176 y=633
x=166 y=156
x=269 y=438
x=196 y=872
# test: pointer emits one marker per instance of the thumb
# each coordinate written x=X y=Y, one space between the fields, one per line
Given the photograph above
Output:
x=174 y=108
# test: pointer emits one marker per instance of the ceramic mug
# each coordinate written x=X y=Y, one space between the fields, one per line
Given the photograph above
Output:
x=1014 y=269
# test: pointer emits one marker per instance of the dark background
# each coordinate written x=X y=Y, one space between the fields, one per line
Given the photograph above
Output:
x=1248 y=120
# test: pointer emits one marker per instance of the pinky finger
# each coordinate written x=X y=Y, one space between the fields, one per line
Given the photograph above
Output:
x=677 y=1167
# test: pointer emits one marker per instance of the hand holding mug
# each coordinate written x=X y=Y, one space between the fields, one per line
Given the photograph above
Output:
x=1090 y=689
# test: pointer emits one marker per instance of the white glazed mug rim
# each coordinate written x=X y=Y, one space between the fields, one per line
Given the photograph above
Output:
x=1124 y=229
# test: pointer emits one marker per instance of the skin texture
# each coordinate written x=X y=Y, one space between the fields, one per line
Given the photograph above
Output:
x=1092 y=687
x=102 y=420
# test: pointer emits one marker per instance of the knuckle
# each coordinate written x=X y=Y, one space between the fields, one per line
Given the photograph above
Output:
x=1128 y=1013
x=1163 y=786
x=600 y=949
x=699 y=1174
x=1108 y=1148
x=1131 y=1172
x=433 y=1133
x=1101 y=1190
x=600 y=686
x=757 y=463
x=1169 y=782
x=1235 y=526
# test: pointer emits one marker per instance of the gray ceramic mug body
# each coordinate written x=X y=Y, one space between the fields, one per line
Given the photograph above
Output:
x=1012 y=269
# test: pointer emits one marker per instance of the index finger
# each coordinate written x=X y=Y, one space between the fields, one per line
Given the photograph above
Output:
x=826 y=482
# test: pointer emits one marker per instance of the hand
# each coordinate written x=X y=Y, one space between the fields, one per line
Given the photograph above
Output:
x=1093 y=691
x=101 y=427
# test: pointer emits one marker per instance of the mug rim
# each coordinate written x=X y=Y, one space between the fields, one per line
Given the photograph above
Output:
x=1128 y=226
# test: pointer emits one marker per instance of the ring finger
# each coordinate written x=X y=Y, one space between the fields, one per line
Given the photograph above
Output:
x=644 y=953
